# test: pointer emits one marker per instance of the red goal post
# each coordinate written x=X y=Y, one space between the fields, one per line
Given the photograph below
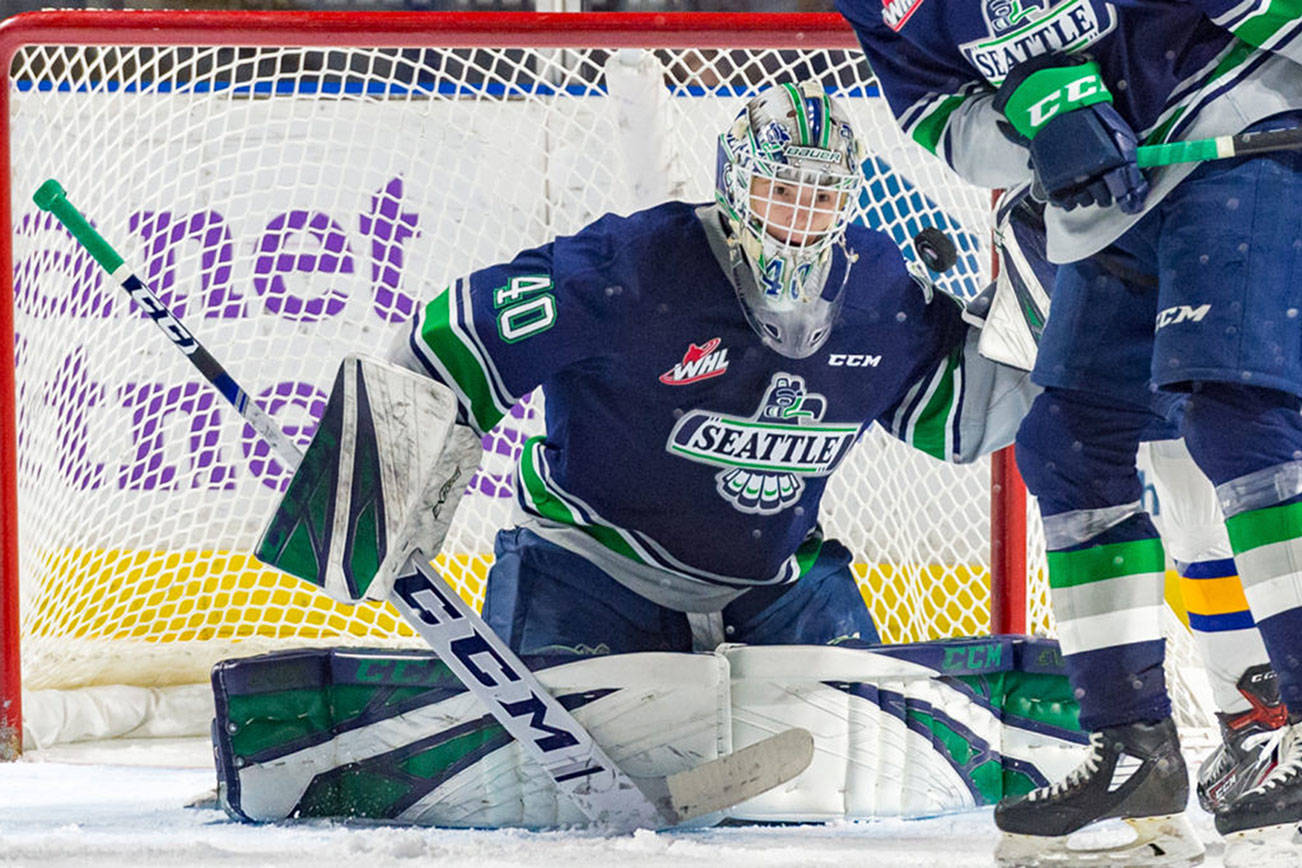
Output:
x=163 y=126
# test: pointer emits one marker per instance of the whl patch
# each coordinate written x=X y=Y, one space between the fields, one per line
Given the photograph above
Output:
x=896 y=12
x=699 y=363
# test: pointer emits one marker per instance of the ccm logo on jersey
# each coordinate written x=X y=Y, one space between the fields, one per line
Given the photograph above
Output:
x=853 y=360
x=699 y=363
x=896 y=12
x=1181 y=313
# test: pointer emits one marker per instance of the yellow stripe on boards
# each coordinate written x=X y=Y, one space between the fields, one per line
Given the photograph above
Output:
x=206 y=595
x=153 y=596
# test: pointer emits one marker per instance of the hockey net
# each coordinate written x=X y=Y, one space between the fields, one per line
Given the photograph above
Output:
x=292 y=184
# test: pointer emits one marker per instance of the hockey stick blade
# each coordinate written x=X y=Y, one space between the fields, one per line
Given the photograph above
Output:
x=732 y=779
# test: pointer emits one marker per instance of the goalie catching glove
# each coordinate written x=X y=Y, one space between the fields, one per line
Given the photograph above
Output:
x=382 y=477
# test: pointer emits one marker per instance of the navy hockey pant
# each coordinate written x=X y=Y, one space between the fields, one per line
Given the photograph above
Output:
x=545 y=600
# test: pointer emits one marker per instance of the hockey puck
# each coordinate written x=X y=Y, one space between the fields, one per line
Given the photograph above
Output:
x=935 y=249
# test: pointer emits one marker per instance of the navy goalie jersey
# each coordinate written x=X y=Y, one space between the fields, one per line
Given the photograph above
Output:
x=675 y=438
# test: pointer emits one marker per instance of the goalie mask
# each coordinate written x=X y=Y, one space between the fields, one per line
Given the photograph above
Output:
x=789 y=170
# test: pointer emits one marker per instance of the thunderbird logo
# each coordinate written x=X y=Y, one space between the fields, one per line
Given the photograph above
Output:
x=699 y=363
x=763 y=457
x=1017 y=30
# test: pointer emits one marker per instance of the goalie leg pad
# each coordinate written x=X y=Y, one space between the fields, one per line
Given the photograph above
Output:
x=382 y=476
x=394 y=736
x=907 y=730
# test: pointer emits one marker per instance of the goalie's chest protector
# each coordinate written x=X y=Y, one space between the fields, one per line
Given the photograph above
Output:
x=693 y=439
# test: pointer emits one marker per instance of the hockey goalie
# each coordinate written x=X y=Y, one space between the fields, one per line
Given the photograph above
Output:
x=666 y=577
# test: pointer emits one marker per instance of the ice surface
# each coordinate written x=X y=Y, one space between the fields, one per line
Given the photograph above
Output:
x=122 y=804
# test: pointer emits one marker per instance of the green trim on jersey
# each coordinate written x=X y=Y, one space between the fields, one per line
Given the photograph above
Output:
x=1260 y=28
x=543 y=501
x=931 y=127
x=931 y=427
x=1234 y=57
x=461 y=362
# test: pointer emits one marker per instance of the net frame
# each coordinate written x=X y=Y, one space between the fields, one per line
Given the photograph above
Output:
x=1009 y=599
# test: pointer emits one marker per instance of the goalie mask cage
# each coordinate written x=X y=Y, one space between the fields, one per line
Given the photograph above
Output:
x=291 y=183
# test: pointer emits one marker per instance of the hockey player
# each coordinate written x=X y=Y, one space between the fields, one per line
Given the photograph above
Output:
x=691 y=358
x=1244 y=686
x=1176 y=309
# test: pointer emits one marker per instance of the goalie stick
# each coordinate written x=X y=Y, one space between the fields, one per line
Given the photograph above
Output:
x=474 y=653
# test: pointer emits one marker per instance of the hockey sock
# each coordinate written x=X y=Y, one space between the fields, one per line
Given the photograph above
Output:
x=1267 y=546
x=1107 y=597
x=1247 y=440
x=1222 y=627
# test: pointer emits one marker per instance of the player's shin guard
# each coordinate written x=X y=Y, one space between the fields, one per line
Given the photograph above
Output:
x=1134 y=773
x=1107 y=567
x=1107 y=596
x=1268 y=549
x=1248 y=442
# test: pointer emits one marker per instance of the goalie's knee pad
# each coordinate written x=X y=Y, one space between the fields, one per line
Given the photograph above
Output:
x=1076 y=450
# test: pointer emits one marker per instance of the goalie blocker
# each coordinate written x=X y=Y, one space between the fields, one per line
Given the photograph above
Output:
x=382 y=479
x=907 y=730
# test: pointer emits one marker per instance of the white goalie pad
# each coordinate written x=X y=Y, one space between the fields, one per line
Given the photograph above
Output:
x=655 y=714
x=893 y=736
x=909 y=730
x=381 y=478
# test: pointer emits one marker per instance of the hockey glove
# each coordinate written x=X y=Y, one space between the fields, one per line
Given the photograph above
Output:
x=1082 y=150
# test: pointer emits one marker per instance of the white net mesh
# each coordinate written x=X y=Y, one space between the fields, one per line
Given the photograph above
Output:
x=292 y=205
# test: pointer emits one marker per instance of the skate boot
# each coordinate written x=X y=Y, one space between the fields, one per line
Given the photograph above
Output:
x=1133 y=773
x=1246 y=753
x=1260 y=826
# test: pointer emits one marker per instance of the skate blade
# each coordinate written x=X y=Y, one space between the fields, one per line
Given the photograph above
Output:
x=1268 y=847
x=1164 y=840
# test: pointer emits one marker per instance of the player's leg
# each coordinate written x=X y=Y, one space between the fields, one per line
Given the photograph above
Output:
x=1232 y=430
x=1076 y=450
x=1229 y=332
x=1244 y=688
x=1106 y=567
x=547 y=601
x=823 y=607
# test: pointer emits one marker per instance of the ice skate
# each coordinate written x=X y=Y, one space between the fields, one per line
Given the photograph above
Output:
x=1260 y=826
x=1134 y=774
x=1246 y=753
